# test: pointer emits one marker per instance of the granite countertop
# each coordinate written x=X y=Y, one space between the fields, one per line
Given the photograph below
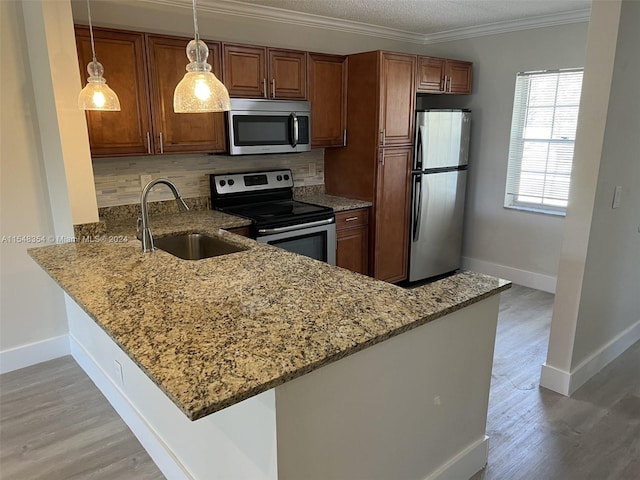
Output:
x=199 y=221
x=339 y=204
x=213 y=332
x=122 y=220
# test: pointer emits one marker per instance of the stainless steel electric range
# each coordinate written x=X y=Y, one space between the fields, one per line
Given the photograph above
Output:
x=266 y=198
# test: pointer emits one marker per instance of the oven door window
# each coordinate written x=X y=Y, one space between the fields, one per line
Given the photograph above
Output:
x=313 y=245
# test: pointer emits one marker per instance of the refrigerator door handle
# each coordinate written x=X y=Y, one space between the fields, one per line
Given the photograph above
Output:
x=417 y=161
x=417 y=206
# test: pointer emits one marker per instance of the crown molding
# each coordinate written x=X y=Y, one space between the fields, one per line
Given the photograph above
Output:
x=511 y=26
x=260 y=12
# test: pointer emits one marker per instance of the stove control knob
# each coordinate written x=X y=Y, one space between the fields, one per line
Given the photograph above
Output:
x=222 y=183
x=231 y=182
x=286 y=177
x=279 y=178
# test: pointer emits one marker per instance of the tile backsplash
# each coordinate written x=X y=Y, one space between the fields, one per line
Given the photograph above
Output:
x=118 y=179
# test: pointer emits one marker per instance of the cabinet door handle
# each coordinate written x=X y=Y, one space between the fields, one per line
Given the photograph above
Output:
x=264 y=87
x=149 y=143
x=161 y=144
x=351 y=219
x=382 y=135
x=449 y=84
x=344 y=138
x=273 y=88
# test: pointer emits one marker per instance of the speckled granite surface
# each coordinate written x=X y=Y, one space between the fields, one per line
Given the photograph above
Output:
x=339 y=204
x=166 y=207
x=198 y=221
x=89 y=230
x=164 y=216
x=213 y=332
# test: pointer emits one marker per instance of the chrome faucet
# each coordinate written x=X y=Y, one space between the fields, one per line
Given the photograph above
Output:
x=143 y=223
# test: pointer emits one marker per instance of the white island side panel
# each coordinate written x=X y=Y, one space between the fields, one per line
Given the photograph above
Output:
x=237 y=443
x=411 y=407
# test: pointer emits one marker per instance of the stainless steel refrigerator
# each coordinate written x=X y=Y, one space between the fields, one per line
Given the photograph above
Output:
x=439 y=178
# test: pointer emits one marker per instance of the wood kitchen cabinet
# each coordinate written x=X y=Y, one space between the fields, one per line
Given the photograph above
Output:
x=242 y=231
x=144 y=70
x=441 y=75
x=397 y=99
x=352 y=238
x=328 y=96
x=375 y=164
x=392 y=213
x=122 y=54
x=260 y=72
x=180 y=132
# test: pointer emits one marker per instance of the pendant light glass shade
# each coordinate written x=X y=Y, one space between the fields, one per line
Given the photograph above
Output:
x=199 y=91
x=96 y=95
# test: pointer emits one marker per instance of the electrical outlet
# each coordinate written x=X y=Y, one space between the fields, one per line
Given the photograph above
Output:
x=117 y=370
x=312 y=169
x=144 y=179
x=617 y=197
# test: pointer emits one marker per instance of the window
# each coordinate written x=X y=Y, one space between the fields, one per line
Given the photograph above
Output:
x=543 y=133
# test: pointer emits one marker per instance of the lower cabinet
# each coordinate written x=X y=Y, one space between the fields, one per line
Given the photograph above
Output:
x=352 y=236
x=242 y=231
x=391 y=219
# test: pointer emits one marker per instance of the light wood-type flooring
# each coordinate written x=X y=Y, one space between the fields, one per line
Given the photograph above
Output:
x=55 y=424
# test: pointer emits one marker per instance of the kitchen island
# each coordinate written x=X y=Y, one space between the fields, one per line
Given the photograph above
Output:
x=218 y=358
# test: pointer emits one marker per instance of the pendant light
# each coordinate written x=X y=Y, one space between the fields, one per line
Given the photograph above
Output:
x=96 y=95
x=199 y=91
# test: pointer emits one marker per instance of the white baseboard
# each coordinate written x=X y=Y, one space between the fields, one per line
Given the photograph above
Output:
x=466 y=464
x=555 y=379
x=539 y=281
x=33 y=353
x=568 y=382
x=155 y=447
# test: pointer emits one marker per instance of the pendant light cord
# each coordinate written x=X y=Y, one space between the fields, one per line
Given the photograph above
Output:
x=93 y=47
x=195 y=28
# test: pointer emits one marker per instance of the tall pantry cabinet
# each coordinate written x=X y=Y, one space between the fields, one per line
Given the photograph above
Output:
x=375 y=164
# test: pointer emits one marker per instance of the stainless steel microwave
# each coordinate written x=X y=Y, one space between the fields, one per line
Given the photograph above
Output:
x=268 y=126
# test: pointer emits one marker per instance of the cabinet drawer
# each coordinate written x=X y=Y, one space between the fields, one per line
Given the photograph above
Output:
x=352 y=218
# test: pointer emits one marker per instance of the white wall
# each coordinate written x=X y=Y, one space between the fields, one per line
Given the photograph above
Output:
x=32 y=306
x=597 y=311
x=611 y=289
x=527 y=244
x=63 y=128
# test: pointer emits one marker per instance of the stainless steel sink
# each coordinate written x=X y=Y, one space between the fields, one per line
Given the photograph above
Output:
x=195 y=246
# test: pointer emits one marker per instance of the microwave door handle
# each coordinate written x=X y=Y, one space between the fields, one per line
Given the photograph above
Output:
x=294 y=129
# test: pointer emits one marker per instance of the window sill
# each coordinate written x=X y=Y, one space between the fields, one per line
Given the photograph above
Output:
x=555 y=213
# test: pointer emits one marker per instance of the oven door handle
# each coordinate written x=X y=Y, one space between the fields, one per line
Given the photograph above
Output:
x=291 y=228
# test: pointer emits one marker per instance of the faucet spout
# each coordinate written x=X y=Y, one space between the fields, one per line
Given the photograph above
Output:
x=145 y=235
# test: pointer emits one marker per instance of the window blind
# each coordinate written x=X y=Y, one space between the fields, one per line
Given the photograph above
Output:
x=543 y=131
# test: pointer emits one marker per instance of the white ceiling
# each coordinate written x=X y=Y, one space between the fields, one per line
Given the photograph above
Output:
x=417 y=20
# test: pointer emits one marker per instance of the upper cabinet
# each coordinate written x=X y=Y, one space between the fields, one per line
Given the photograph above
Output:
x=260 y=72
x=143 y=70
x=127 y=132
x=180 y=132
x=440 y=75
x=397 y=98
x=328 y=96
